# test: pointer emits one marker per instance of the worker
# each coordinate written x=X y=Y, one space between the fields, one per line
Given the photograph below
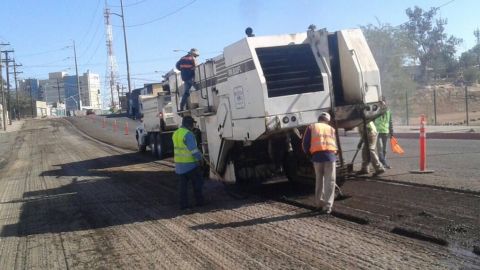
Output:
x=187 y=159
x=384 y=127
x=187 y=65
x=249 y=32
x=369 y=154
x=319 y=142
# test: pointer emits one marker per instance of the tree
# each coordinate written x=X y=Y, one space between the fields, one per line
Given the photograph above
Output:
x=433 y=48
x=471 y=58
x=390 y=47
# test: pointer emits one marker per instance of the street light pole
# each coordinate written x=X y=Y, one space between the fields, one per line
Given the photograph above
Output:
x=126 y=49
x=78 y=80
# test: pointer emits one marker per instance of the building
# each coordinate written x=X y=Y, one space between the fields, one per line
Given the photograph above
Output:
x=31 y=87
x=90 y=89
x=53 y=88
x=71 y=93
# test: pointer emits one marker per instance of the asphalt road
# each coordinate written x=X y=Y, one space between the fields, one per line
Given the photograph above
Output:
x=67 y=202
x=455 y=162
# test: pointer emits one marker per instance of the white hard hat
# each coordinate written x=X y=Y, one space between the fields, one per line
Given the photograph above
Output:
x=324 y=116
x=194 y=52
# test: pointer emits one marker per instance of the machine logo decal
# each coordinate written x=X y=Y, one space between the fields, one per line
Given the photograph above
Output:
x=239 y=97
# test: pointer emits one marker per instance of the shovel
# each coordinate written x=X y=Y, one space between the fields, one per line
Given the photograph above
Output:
x=350 y=166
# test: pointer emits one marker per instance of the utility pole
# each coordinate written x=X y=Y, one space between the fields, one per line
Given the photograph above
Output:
x=118 y=94
x=4 y=108
x=126 y=49
x=466 y=104
x=58 y=90
x=78 y=80
x=7 y=64
x=406 y=105
x=435 y=105
x=15 y=72
x=31 y=97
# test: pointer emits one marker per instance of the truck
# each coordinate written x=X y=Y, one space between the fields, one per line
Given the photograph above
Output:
x=156 y=117
x=254 y=100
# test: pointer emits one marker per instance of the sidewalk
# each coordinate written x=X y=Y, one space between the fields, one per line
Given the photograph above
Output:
x=15 y=126
x=93 y=125
x=433 y=132
x=440 y=132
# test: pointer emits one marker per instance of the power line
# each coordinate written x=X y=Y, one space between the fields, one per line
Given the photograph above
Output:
x=91 y=42
x=39 y=53
x=94 y=53
x=444 y=4
x=162 y=17
x=91 y=22
x=131 y=5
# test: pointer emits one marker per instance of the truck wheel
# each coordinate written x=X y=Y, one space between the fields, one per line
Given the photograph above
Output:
x=153 y=144
x=141 y=147
x=291 y=167
x=159 y=148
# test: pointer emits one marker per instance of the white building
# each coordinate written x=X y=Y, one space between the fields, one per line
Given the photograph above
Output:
x=90 y=89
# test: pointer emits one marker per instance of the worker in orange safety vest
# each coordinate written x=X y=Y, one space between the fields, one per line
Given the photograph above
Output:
x=319 y=142
x=187 y=65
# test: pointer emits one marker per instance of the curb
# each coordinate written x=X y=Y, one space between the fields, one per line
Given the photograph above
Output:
x=442 y=136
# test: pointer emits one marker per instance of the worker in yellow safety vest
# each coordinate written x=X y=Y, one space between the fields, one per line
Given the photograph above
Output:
x=319 y=141
x=368 y=138
x=384 y=127
x=187 y=159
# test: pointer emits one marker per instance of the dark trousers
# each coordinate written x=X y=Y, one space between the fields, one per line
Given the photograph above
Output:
x=194 y=176
x=382 y=147
x=186 y=93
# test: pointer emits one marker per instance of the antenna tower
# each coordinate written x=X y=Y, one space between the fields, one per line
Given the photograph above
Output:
x=112 y=60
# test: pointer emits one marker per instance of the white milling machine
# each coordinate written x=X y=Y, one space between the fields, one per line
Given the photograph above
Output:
x=254 y=99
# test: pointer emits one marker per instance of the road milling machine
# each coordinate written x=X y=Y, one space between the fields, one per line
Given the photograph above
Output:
x=254 y=101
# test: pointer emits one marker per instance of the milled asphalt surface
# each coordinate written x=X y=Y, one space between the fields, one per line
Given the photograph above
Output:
x=405 y=209
x=67 y=202
x=454 y=161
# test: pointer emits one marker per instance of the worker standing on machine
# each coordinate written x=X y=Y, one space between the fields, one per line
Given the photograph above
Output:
x=187 y=65
x=188 y=159
x=319 y=142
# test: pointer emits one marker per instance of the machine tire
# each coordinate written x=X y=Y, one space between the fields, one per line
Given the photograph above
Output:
x=153 y=144
x=141 y=148
x=159 y=149
x=291 y=166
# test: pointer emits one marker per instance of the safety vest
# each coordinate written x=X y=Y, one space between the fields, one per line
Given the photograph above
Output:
x=371 y=129
x=382 y=123
x=322 y=138
x=181 y=154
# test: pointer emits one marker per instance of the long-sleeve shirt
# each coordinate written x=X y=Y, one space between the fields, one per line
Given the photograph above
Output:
x=191 y=142
x=322 y=156
x=384 y=123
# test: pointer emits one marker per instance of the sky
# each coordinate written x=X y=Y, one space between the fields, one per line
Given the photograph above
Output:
x=42 y=31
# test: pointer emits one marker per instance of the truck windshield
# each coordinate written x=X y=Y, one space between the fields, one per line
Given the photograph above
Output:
x=290 y=70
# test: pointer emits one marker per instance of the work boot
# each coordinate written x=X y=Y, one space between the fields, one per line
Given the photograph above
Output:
x=379 y=171
x=326 y=210
x=362 y=172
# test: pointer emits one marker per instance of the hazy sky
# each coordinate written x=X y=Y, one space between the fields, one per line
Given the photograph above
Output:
x=40 y=30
